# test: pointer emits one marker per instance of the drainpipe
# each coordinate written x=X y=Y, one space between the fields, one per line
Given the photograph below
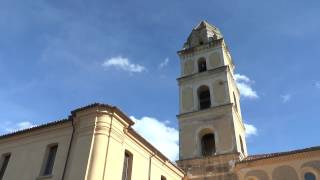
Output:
x=69 y=149
x=149 y=174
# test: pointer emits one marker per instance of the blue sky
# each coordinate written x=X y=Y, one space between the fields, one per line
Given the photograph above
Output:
x=55 y=57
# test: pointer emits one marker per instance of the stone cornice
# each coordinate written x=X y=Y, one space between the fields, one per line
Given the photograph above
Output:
x=227 y=156
x=204 y=111
x=193 y=50
x=203 y=74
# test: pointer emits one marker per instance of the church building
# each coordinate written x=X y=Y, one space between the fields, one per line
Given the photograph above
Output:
x=97 y=142
x=212 y=134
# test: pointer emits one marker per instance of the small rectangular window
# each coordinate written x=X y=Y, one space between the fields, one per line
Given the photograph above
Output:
x=163 y=178
x=127 y=166
x=49 y=160
x=4 y=163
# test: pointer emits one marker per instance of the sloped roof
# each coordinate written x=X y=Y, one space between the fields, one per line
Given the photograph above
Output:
x=62 y=121
x=278 y=154
x=209 y=28
x=204 y=33
x=22 y=131
x=93 y=105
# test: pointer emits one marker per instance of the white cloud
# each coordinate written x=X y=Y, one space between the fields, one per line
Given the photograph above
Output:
x=8 y=127
x=122 y=63
x=159 y=134
x=250 y=130
x=286 y=97
x=244 y=84
x=164 y=63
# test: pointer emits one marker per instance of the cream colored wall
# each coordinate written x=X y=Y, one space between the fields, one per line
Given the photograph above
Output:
x=122 y=140
x=97 y=150
x=217 y=84
x=214 y=59
x=218 y=120
x=28 y=152
x=111 y=138
x=292 y=166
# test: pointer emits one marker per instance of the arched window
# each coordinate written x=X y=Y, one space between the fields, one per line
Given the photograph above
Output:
x=309 y=176
x=204 y=97
x=202 y=65
x=208 y=145
x=163 y=177
x=241 y=144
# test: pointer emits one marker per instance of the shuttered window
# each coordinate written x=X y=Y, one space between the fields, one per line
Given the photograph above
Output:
x=49 y=160
x=4 y=163
x=127 y=166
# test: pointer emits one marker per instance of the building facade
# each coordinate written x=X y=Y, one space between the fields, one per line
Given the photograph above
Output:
x=212 y=133
x=96 y=142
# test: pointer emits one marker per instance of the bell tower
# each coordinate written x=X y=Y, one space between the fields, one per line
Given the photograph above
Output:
x=211 y=131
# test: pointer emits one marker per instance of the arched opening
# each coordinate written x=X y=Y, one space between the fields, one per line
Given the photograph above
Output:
x=204 y=97
x=202 y=65
x=241 y=144
x=309 y=176
x=284 y=172
x=208 y=145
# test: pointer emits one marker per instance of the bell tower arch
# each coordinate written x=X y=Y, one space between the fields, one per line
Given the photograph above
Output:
x=210 y=121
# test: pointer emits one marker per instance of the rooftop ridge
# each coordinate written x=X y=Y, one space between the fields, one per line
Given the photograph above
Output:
x=257 y=157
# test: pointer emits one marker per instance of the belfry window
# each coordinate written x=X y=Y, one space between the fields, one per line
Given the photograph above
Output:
x=208 y=146
x=204 y=97
x=202 y=65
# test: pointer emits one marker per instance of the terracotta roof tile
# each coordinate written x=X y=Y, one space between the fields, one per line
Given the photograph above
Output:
x=34 y=128
x=277 y=154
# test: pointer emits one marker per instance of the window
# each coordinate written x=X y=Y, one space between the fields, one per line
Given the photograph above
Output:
x=208 y=145
x=163 y=178
x=49 y=160
x=241 y=144
x=309 y=176
x=127 y=166
x=4 y=163
x=202 y=66
x=235 y=101
x=204 y=97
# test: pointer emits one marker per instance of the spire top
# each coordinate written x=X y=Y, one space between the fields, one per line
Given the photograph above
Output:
x=203 y=33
